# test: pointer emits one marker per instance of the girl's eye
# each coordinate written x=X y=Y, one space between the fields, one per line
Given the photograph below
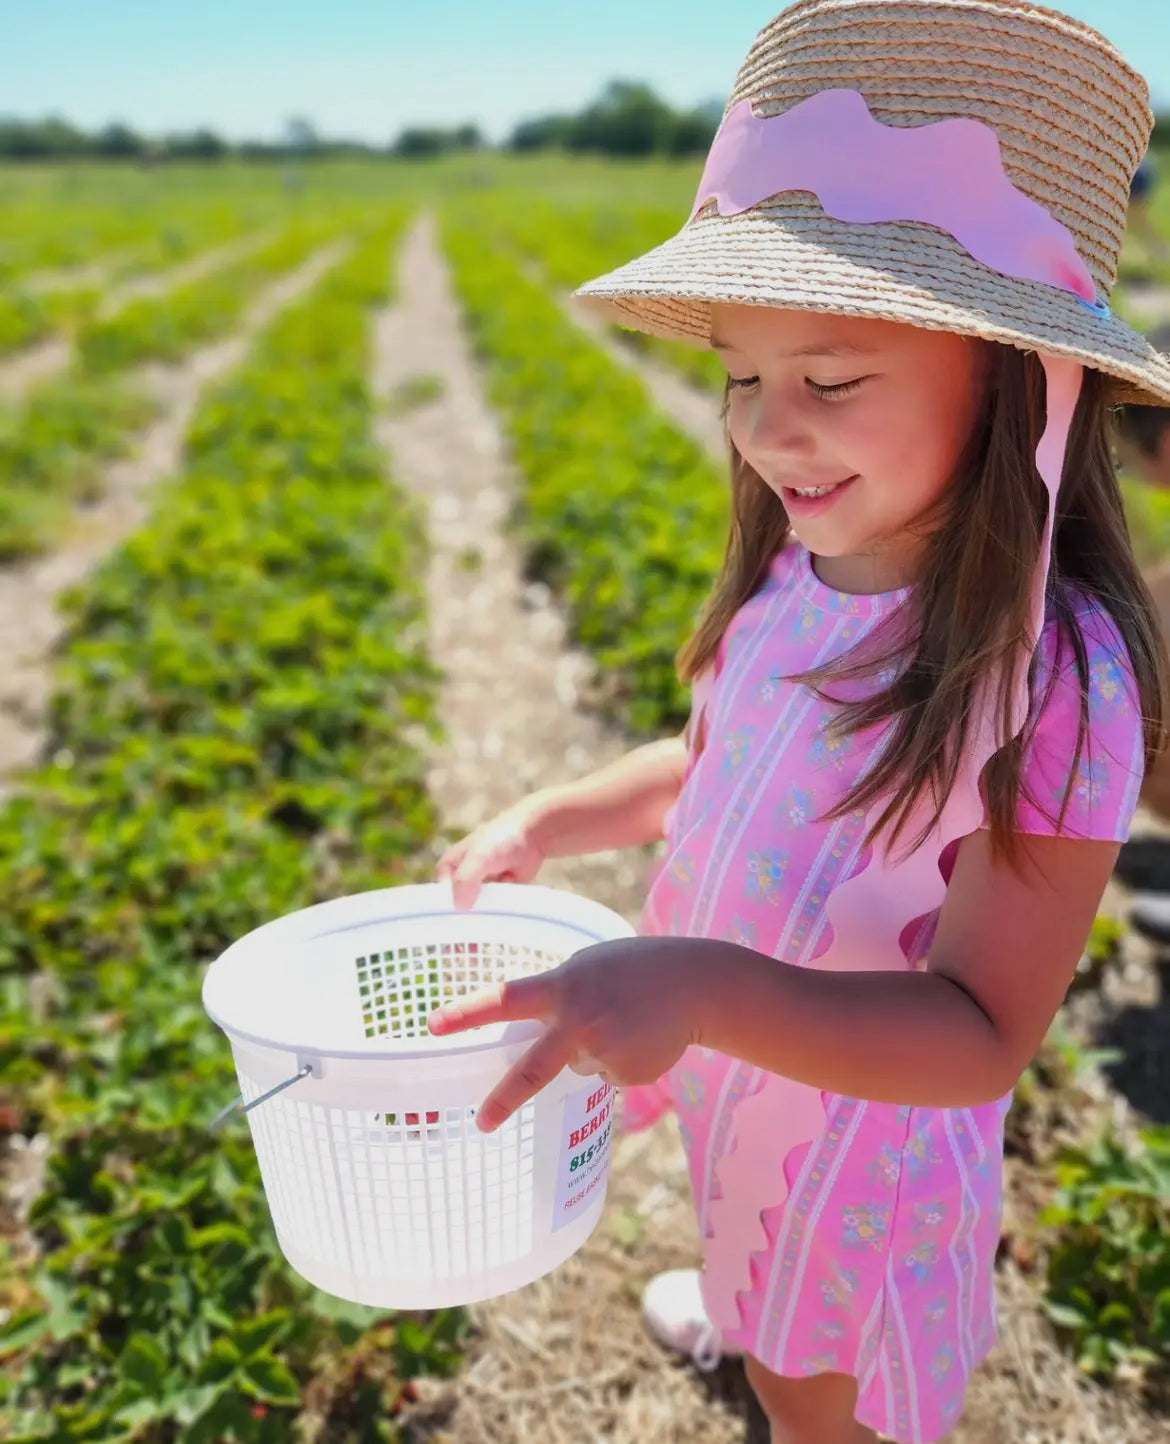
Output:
x=835 y=393
x=823 y=393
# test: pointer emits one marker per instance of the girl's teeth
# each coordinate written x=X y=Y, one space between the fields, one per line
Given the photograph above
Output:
x=814 y=490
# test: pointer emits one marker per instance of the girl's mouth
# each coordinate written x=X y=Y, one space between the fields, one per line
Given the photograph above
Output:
x=812 y=500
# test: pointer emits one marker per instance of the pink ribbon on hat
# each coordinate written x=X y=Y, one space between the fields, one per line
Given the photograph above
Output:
x=949 y=175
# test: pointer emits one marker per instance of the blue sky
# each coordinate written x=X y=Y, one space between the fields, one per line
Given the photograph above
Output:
x=365 y=68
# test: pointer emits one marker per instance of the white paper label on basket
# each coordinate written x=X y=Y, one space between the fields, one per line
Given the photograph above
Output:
x=588 y=1131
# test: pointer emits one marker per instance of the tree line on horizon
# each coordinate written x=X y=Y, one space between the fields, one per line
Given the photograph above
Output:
x=627 y=119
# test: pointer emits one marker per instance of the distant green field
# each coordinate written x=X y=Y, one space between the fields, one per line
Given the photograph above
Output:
x=568 y=216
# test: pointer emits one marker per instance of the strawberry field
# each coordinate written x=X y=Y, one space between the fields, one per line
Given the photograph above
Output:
x=236 y=412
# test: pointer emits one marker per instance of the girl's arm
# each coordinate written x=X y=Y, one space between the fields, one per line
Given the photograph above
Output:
x=954 y=1036
x=1008 y=940
x=960 y=1033
x=622 y=805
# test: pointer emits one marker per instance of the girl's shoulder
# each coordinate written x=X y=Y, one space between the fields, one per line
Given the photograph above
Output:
x=1084 y=752
x=1082 y=642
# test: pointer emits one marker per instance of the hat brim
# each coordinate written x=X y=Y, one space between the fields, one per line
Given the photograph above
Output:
x=788 y=253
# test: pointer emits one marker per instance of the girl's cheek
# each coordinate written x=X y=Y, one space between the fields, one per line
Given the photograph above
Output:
x=737 y=416
x=869 y=438
x=740 y=434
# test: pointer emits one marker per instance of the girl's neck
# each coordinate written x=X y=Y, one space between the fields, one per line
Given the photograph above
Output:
x=869 y=573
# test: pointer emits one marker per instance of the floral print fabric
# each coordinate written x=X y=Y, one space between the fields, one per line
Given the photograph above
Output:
x=880 y=1261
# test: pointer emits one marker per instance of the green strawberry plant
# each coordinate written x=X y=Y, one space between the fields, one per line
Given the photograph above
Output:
x=621 y=513
x=229 y=741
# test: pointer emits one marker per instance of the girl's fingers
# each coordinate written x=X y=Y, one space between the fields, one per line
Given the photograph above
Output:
x=465 y=888
x=451 y=859
x=586 y=1065
x=474 y=870
x=505 y=1003
x=536 y=1070
x=469 y=876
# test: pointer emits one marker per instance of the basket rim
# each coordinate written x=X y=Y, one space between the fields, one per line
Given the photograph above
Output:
x=408 y=903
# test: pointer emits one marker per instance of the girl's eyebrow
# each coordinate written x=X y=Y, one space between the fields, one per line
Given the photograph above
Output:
x=840 y=349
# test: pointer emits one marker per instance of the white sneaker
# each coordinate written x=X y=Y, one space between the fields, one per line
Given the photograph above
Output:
x=673 y=1311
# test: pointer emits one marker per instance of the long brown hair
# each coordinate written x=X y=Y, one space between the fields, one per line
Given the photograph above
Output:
x=970 y=604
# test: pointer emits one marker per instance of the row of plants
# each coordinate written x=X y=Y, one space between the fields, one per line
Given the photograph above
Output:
x=54 y=449
x=53 y=452
x=53 y=240
x=1147 y=511
x=235 y=733
x=29 y=313
x=164 y=328
x=1108 y=1256
x=1103 y=1238
x=571 y=244
x=622 y=514
x=29 y=316
x=135 y=222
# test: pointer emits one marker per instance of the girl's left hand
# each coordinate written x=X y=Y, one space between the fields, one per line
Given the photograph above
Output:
x=626 y=1010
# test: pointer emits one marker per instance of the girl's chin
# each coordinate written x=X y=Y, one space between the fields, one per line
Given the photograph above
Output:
x=827 y=540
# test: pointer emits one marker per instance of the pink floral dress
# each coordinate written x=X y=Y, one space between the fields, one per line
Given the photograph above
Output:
x=881 y=1250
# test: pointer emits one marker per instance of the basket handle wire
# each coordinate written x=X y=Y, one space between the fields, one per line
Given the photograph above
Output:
x=238 y=1105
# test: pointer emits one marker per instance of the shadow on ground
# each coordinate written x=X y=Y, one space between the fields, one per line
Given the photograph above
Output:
x=1138 y=1028
x=728 y=1384
x=1141 y=1035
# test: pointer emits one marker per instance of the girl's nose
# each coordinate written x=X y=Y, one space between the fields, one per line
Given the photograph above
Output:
x=780 y=429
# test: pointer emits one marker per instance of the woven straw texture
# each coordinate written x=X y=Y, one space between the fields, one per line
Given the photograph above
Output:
x=1073 y=122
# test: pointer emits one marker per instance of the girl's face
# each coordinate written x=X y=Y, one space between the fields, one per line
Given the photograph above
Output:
x=857 y=425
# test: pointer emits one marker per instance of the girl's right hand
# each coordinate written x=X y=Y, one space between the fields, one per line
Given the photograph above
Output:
x=502 y=850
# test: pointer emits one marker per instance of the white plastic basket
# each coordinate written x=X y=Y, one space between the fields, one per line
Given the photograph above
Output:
x=381 y=1187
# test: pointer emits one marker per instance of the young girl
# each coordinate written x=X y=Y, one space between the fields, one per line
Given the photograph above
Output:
x=926 y=687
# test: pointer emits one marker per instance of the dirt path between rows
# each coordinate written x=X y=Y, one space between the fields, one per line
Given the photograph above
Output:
x=27 y=368
x=51 y=356
x=29 y=621
x=509 y=699
x=91 y=276
x=204 y=263
x=692 y=410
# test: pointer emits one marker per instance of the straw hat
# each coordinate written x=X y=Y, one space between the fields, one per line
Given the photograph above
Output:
x=1072 y=120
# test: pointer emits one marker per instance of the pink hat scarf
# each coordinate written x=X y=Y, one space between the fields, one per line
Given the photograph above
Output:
x=948 y=175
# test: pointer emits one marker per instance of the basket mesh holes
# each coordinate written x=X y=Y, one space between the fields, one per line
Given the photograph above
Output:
x=392 y=1201
x=398 y=989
